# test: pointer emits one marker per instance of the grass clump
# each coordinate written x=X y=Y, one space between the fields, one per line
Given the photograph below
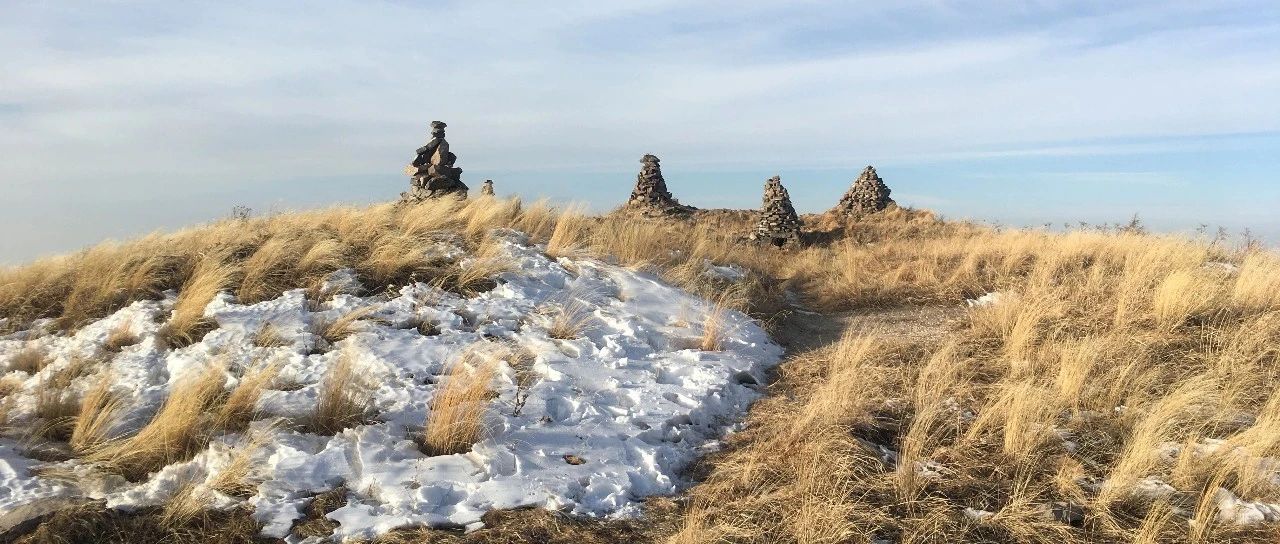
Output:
x=455 y=418
x=336 y=330
x=177 y=431
x=120 y=337
x=268 y=336
x=241 y=405
x=187 y=324
x=30 y=360
x=345 y=398
x=99 y=412
x=570 y=318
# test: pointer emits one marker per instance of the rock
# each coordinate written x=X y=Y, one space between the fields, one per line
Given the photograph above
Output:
x=650 y=196
x=487 y=188
x=868 y=195
x=778 y=224
x=432 y=173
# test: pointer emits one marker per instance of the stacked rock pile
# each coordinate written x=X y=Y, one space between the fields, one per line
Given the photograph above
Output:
x=778 y=224
x=432 y=173
x=650 y=195
x=868 y=194
x=487 y=188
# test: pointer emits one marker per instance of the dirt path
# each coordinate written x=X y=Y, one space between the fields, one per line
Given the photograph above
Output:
x=804 y=330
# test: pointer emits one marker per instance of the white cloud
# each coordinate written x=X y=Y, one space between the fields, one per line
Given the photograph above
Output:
x=134 y=100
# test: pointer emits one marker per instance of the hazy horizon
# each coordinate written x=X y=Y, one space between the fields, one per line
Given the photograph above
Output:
x=120 y=120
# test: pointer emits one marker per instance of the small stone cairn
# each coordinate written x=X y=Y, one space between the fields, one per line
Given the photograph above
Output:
x=487 y=188
x=650 y=196
x=778 y=224
x=432 y=173
x=868 y=195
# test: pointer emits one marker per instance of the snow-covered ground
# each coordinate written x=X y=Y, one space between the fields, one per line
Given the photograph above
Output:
x=630 y=398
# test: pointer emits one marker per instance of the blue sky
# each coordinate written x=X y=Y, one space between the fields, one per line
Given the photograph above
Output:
x=120 y=118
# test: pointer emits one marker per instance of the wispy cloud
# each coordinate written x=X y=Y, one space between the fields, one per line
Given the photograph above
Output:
x=153 y=98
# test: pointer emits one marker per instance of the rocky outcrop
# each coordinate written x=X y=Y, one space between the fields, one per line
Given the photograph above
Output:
x=432 y=173
x=868 y=195
x=778 y=223
x=487 y=188
x=650 y=196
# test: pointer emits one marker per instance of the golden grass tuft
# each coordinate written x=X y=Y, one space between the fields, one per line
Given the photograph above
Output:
x=30 y=360
x=188 y=323
x=99 y=412
x=186 y=504
x=268 y=336
x=177 y=431
x=713 y=324
x=241 y=405
x=120 y=337
x=570 y=318
x=455 y=418
x=345 y=398
x=236 y=479
x=345 y=325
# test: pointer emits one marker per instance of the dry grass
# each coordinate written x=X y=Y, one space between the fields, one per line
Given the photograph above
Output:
x=336 y=330
x=30 y=360
x=98 y=414
x=345 y=398
x=55 y=407
x=256 y=259
x=178 y=430
x=268 y=336
x=236 y=479
x=241 y=406
x=120 y=337
x=455 y=418
x=1106 y=348
x=713 y=324
x=188 y=323
x=187 y=503
x=570 y=317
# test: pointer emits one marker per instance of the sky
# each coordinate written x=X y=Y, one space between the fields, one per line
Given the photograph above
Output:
x=120 y=118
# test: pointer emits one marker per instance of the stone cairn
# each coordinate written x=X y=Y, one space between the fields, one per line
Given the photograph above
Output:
x=868 y=194
x=778 y=223
x=432 y=173
x=650 y=196
x=487 y=188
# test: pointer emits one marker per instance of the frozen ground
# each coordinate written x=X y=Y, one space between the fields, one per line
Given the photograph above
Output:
x=631 y=398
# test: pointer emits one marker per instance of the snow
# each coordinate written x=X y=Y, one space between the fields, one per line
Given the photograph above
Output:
x=629 y=397
x=989 y=299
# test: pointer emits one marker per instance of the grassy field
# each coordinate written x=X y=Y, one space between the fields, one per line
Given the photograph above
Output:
x=1121 y=388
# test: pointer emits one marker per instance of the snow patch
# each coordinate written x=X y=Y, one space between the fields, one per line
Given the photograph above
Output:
x=628 y=401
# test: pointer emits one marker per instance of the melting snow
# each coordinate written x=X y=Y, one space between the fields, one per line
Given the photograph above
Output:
x=629 y=398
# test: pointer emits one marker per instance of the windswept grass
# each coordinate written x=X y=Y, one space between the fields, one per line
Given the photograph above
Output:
x=268 y=336
x=345 y=398
x=120 y=337
x=1112 y=358
x=455 y=418
x=345 y=325
x=570 y=317
x=241 y=406
x=187 y=323
x=99 y=412
x=30 y=360
x=177 y=431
